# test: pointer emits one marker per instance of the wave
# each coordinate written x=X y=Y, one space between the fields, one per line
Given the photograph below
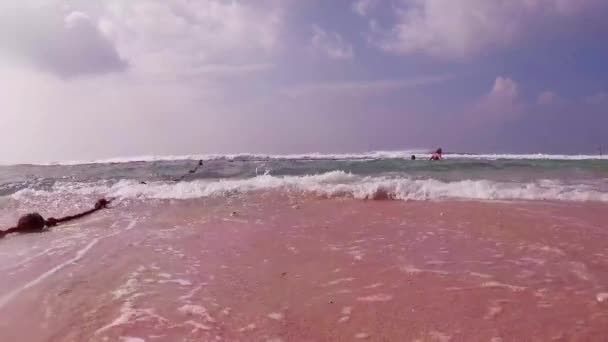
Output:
x=247 y=157
x=335 y=184
x=419 y=153
x=537 y=156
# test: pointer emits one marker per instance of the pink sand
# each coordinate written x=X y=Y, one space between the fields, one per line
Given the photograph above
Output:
x=291 y=268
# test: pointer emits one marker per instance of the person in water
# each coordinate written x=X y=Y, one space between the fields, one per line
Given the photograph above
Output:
x=437 y=155
x=35 y=223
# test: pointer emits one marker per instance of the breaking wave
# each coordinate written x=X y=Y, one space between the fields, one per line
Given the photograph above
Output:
x=336 y=184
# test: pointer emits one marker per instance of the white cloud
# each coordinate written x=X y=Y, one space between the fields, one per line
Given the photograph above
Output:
x=547 y=97
x=158 y=38
x=331 y=44
x=64 y=43
x=181 y=36
x=363 y=7
x=195 y=71
x=461 y=28
x=504 y=89
x=76 y=18
x=502 y=103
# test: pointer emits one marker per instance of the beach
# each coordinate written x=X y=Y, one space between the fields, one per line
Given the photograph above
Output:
x=291 y=266
x=304 y=171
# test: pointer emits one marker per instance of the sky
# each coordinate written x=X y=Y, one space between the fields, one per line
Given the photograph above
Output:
x=84 y=80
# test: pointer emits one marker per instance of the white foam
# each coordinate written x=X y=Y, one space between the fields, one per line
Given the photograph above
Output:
x=356 y=254
x=191 y=293
x=277 y=316
x=335 y=184
x=493 y=311
x=181 y=282
x=409 y=269
x=338 y=281
x=531 y=156
x=49 y=251
x=197 y=326
x=362 y=336
x=132 y=339
x=126 y=289
x=580 y=270
x=382 y=297
x=480 y=275
x=496 y=284
x=602 y=297
x=342 y=291
x=190 y=309
x=249 y=327
x=196 y=310
x=79 y=255
x=128 y=314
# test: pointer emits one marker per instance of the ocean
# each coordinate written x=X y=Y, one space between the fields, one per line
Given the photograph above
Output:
x=362 y=176
x=318 y=247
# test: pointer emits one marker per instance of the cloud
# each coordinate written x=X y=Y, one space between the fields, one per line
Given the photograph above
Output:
x=504 y=89
x=363 y=7
x=547 y=97
x=462 y=28
x=159 y=39
x=196 y=71
x=180 y=36
x=68 y=45
x=502 y=103
x=331 y=44
x=360 y=88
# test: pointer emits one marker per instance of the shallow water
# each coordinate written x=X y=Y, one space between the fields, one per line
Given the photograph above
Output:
x=275 y=266
x=569 y=178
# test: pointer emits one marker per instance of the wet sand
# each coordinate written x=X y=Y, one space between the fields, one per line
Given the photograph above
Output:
x=277 y=267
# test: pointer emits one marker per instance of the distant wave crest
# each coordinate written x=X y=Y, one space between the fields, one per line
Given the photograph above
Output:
x=419 y=153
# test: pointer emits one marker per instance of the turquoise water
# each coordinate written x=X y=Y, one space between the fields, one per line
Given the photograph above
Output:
x=581 y=174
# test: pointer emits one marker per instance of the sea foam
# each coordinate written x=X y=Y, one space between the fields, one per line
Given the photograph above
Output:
x=335 y=184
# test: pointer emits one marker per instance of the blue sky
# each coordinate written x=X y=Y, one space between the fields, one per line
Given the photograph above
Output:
x=87 y=80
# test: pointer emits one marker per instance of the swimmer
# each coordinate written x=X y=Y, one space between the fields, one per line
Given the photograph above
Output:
x=437 y=155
